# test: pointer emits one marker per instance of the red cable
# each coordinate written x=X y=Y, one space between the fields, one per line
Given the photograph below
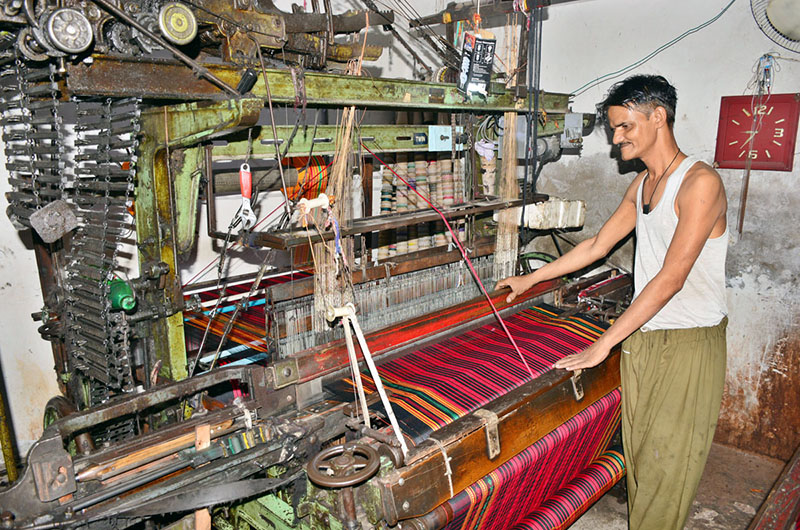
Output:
x=464 y=255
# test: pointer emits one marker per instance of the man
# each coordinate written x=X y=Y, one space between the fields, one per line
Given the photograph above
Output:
x=674 y=353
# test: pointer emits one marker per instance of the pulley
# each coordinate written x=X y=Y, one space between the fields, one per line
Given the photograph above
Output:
x=177 y=23
x=69 y=30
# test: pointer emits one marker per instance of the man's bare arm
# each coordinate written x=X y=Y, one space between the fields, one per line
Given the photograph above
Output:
x=619 y=225
x=701 y=202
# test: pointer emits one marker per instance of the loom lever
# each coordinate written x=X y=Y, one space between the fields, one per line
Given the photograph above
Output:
x=348 y=316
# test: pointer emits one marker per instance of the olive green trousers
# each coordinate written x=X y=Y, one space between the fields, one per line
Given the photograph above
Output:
x=672 y=384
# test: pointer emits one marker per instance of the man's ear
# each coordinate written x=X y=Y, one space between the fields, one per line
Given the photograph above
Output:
x=659 y=114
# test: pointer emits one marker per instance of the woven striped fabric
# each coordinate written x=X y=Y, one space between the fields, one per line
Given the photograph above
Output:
x=568 y=503
x=435 y=385
x=540 y=476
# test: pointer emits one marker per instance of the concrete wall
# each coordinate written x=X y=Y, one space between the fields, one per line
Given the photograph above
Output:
x=582 y=41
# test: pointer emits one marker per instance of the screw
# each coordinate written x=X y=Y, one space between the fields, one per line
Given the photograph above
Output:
x=406 y=506
x=287 y=372
x=289 y=398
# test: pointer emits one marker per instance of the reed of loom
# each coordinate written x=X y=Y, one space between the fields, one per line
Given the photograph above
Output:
x=507 y=229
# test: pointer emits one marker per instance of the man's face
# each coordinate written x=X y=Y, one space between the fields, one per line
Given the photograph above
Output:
x=634 y=131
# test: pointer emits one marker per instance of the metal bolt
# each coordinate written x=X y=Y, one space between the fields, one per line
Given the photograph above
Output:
x=406 y=506
x=289 y=398
x=287 y=372
x=401 y=481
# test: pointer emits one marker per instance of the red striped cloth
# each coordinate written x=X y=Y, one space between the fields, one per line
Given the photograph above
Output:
x=539 y=477
x=437 y=384
x=568 y=503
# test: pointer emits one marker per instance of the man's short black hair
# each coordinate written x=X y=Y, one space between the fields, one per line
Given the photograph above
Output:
x=643 y=93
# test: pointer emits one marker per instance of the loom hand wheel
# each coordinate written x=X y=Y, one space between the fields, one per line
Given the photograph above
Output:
x=345 y=465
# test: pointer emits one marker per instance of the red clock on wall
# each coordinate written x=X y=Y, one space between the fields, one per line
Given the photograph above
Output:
x=763 y=131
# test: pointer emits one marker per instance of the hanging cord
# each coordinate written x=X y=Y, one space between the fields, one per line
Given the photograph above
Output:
x=240 y=305
x=466 y=259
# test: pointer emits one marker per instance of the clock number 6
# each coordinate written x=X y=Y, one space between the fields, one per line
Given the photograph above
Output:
x=752 y=154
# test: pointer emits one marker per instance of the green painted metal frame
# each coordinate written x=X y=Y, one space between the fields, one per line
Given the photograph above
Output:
x=378 y=138
x=157 y=207
x=161 y=78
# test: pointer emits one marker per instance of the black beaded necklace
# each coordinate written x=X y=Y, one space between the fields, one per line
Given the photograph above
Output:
x=646 y=206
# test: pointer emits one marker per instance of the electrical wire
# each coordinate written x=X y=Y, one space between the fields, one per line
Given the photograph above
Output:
x=580 y=90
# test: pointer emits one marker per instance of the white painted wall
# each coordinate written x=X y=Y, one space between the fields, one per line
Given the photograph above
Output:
x=587 y=39
x=582 y=40
x=25 y=359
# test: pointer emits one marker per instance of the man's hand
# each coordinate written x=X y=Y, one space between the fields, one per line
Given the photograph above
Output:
x=518 y=284
x=591 y=356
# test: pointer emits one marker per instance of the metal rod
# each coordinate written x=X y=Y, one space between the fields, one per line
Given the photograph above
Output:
x=351 y=354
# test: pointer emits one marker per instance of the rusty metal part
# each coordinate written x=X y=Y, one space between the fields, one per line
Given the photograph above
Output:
x=196 y=67
x=53 y=221
x=193 y=498
x=351 y=22
x=312 y=45
x=60 y=407
x=433 y=520
x=5 y=439
x=160 y=78
x=342 y=466
x=259 y=381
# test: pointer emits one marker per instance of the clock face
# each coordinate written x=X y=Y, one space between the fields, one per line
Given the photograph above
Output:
x=762 y=132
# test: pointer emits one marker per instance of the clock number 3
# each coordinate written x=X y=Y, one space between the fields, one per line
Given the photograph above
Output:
x=778 y=133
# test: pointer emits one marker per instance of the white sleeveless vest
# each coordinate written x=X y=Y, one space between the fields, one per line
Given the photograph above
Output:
x=701 y=301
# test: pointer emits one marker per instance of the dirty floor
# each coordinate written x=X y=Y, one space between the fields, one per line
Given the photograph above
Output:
x=733 y=486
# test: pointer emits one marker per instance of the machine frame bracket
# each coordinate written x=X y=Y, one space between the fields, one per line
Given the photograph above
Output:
x=492 y=435
x=577 y=385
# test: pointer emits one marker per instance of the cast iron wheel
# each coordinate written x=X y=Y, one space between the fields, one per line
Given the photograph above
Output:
x=345 y=465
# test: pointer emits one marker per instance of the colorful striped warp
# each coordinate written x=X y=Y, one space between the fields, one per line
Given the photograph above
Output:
x=249 y=329
x=549 y=484
x=440 y=383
